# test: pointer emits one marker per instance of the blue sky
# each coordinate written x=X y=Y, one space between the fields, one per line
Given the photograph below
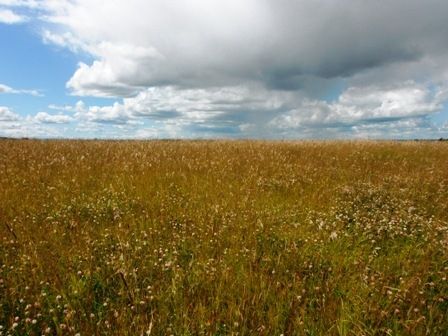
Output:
x=30 y=64
x=205 y=69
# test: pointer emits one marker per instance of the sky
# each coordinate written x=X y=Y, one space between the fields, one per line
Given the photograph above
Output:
x=271 y=69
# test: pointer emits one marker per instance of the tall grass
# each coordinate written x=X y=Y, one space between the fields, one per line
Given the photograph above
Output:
x=223 y=238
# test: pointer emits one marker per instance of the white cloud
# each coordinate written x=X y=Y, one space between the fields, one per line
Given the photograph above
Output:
x=188 y=105
x=281 y=44
x=41 y=125
x=21 y=3
x=214 y=43
x=6 y=89
x=45 y=118
x=363 y=105
x=251 y=67
x=114 y=114
x=9 y=90
x=64 y=40
x=9 y=17
x=23 y=128
x=257 y=112
x=7 y=115
x=119 y=66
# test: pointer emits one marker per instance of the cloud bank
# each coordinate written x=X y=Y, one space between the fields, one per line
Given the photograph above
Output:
x=40 y=125
x=254 y=68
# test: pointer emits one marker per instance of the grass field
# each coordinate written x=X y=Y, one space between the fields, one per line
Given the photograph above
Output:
x=223 y=238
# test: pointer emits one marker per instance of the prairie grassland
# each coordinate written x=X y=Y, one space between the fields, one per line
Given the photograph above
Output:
x=223 y=238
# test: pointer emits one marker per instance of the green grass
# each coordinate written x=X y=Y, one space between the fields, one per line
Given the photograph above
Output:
x=223 y=238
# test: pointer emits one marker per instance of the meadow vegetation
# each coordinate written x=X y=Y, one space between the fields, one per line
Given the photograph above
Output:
x=223 y=238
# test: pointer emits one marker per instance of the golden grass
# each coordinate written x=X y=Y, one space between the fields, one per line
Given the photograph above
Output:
x=223 y=238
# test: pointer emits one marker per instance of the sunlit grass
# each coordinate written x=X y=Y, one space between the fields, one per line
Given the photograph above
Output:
x=223 y=238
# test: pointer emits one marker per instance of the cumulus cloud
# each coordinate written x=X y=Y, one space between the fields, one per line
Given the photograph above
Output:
x=254 y=111
x=209 y=43
x=46 y=118
x=363 y=105
x=41 y=125
x=254 y=67
x=189 y=105
x=7 y=115
x=24 y=129
x=9 y=17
